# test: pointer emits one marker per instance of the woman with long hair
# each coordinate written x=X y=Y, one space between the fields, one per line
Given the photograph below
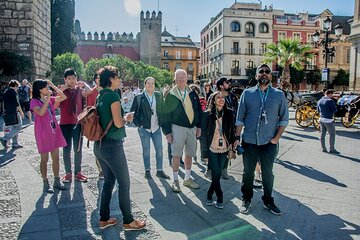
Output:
x=110 y=151
x=218 y=126
x=48 y=135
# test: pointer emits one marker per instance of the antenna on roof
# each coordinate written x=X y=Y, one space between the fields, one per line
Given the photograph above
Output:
x=158 y=5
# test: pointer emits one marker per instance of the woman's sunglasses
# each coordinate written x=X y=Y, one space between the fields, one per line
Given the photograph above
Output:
x=262 y=71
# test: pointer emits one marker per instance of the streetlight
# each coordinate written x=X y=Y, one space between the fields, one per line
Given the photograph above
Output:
x=328 y=51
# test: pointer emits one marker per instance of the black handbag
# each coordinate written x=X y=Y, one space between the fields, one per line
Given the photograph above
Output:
x=11 y=119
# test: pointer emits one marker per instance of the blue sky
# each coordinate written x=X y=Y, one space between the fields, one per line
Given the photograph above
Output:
x=183 y=17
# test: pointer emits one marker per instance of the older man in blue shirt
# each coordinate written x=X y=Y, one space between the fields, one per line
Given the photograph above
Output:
x=263 y=113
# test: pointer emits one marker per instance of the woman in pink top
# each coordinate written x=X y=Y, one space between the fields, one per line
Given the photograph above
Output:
x=48 y=135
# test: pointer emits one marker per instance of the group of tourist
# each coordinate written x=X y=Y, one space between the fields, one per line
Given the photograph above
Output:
x=184 y=114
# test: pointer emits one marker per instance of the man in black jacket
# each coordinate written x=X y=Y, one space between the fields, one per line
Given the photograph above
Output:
x=147 y=117
x=182 y=126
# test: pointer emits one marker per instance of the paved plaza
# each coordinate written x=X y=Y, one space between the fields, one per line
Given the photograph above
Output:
x=319 y=195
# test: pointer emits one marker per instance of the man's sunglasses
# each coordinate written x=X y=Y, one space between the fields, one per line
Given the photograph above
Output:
x=262 y=71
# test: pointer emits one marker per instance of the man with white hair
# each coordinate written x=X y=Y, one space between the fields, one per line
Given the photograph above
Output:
x=181 y=125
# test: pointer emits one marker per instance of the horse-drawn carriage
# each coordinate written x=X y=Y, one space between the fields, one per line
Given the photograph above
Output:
x=306 y=108
x=348 y=109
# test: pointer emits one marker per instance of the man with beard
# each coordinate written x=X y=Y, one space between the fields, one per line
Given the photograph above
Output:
x=224 y=86
x=264 y=115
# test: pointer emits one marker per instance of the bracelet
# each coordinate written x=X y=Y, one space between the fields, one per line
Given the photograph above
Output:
x=237 y=138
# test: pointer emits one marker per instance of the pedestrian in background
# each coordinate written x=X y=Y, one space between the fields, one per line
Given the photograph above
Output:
x=48 y=135
x=327 y=108
x=75 y=91
x=147 y=108
x=110 y=152
x=91 y=101
x=263 y=113
x=217 y=127
x=24 y=93
x=13 y=115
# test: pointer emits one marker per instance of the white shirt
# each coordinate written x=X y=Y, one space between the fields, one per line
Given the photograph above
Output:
x=154 y=118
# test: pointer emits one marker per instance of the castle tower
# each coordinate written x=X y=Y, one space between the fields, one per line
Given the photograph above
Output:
x=150 y=38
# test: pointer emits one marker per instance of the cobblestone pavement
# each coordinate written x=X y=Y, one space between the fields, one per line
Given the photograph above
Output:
x=318 y=193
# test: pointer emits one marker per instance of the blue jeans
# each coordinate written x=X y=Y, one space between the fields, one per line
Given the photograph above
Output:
x=329 y=127
x=14 y=132
x=113 y=163
x=72 y=134
x=216 y=164
x=145 y=142
x=266 y=155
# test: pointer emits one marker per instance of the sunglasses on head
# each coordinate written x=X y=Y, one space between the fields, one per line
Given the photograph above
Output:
x=262 y=71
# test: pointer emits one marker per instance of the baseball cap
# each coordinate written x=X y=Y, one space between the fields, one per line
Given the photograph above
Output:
x=221 y=81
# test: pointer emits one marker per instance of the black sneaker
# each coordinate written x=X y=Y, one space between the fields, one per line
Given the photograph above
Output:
x=273 y=208
x=245 y=206
x=161 y=174
x=324 y=150
x=219 y=205
x=209 y=202
x=3 y=143
x=334 y=151
x=148 y=175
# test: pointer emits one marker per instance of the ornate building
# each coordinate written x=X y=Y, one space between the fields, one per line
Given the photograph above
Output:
x=354 y=38
x=179 y=52
x=25 y=27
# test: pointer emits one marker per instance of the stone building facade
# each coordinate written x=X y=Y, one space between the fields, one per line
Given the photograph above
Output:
x=25 y=27
x=179 y=52
x=354 y=38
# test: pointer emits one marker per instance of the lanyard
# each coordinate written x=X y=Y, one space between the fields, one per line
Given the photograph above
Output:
x=220 y=124
x=263 y=98
x=182 y=97
x=148 y=98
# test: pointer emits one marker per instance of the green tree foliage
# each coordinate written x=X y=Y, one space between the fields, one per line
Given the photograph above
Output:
x=296 y=76
x=64 y=61
x=286 y=53
x=313 y=77
x=62 y=27
x=129 y=70
x=342 y=78
x=12 y=63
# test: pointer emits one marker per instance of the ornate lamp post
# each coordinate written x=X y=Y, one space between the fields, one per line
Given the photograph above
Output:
x=325 y=42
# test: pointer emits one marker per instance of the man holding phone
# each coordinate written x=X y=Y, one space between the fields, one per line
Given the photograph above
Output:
x=75 y=91
x=263 y=113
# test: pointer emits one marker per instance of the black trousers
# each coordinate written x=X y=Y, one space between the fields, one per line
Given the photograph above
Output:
x=216 y=162
x=266 y=155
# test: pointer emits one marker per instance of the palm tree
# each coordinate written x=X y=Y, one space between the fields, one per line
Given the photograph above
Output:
x=286 y=53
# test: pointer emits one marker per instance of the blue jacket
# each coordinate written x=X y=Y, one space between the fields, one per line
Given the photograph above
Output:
x=326 y=107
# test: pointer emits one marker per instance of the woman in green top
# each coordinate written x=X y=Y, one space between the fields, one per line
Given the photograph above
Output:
x=110 y=151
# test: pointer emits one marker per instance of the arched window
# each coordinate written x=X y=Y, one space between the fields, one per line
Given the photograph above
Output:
x=235 y=26
x=211 y=35
x=250 y=29
x=207 y=38
x=263 y=28
x=215 y=32
x=204 y=42
x=220 y=29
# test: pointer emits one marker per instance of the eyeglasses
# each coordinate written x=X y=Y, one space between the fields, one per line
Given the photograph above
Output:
x=262 y=71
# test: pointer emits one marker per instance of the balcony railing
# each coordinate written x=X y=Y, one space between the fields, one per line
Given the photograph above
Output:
x=235 y=51
x=310 y=67
x=235 y=71
x=250 y=51
x=262 y=51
